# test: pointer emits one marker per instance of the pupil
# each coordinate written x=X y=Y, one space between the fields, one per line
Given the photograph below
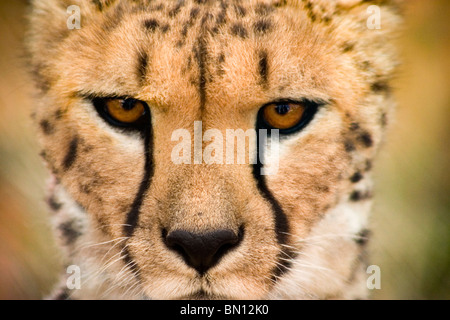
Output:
x=282 y=109
x=128 y=104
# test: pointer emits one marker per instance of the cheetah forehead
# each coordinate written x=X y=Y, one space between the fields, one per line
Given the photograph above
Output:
x=148 y=41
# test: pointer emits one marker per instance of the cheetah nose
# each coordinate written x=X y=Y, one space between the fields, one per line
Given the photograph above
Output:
x=202 y=251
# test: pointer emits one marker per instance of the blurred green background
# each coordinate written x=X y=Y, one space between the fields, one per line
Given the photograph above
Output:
x=411 y=218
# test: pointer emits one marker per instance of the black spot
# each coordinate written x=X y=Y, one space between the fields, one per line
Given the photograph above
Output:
x=158 y=7
x=365 y=65
x=360 y=195
x=208 y=16
x=263 y=67
x=354 y=126
x=49 y=162
x=224 y=4
x=58 y=114
x=194 y=13
x=310 y=13
x=240 y=10
x=280 y=3
x=103 y=225
x=221 y=58
x=176 y=9
x=238 y=29
x=192 y=17
x=151 y=25
x=263 y=9
x=88 y=148
x=349 y=146
x=85 y=188
x=366 y=139
x=142 y=65
x=189 y=62
x=355 y=196
x=53 y=203
x=323 y=188
x=327 y=20
x=165 y=27
x=356 y=177
x=380 y=87
x=47 y=127
x=113 y=20
x=184 y=31
x=221 y=17
x=308 y=5
x=98 y=4
x=348 y=46
x=193 y=81
x=363 y=237
x=262 y=26
x=71 y=154
x=180 y=43
x=312 y=16
x=69 y=232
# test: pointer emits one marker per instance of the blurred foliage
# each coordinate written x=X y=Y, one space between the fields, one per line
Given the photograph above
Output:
x=411 y=215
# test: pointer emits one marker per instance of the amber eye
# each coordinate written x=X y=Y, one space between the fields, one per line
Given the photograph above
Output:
x=126 y=112
x=287 y=116
x=283 y=116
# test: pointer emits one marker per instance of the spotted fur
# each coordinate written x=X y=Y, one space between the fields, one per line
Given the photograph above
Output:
x=115 y=195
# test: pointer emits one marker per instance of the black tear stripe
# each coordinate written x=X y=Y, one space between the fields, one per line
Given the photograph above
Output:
x=132 y=218
x=281 y=222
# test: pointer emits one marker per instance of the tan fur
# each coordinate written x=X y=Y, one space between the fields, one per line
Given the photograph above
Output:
x=317 y=49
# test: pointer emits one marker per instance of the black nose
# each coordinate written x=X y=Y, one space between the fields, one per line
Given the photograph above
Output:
x=202 y=251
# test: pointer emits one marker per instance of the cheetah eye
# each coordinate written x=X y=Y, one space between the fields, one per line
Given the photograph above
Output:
x=123 y=112
x=287 y=116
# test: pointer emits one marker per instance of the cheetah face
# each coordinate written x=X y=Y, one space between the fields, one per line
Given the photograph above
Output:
x=114 y=94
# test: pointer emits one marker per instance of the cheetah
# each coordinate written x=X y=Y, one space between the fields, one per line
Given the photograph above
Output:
x=111 y=94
